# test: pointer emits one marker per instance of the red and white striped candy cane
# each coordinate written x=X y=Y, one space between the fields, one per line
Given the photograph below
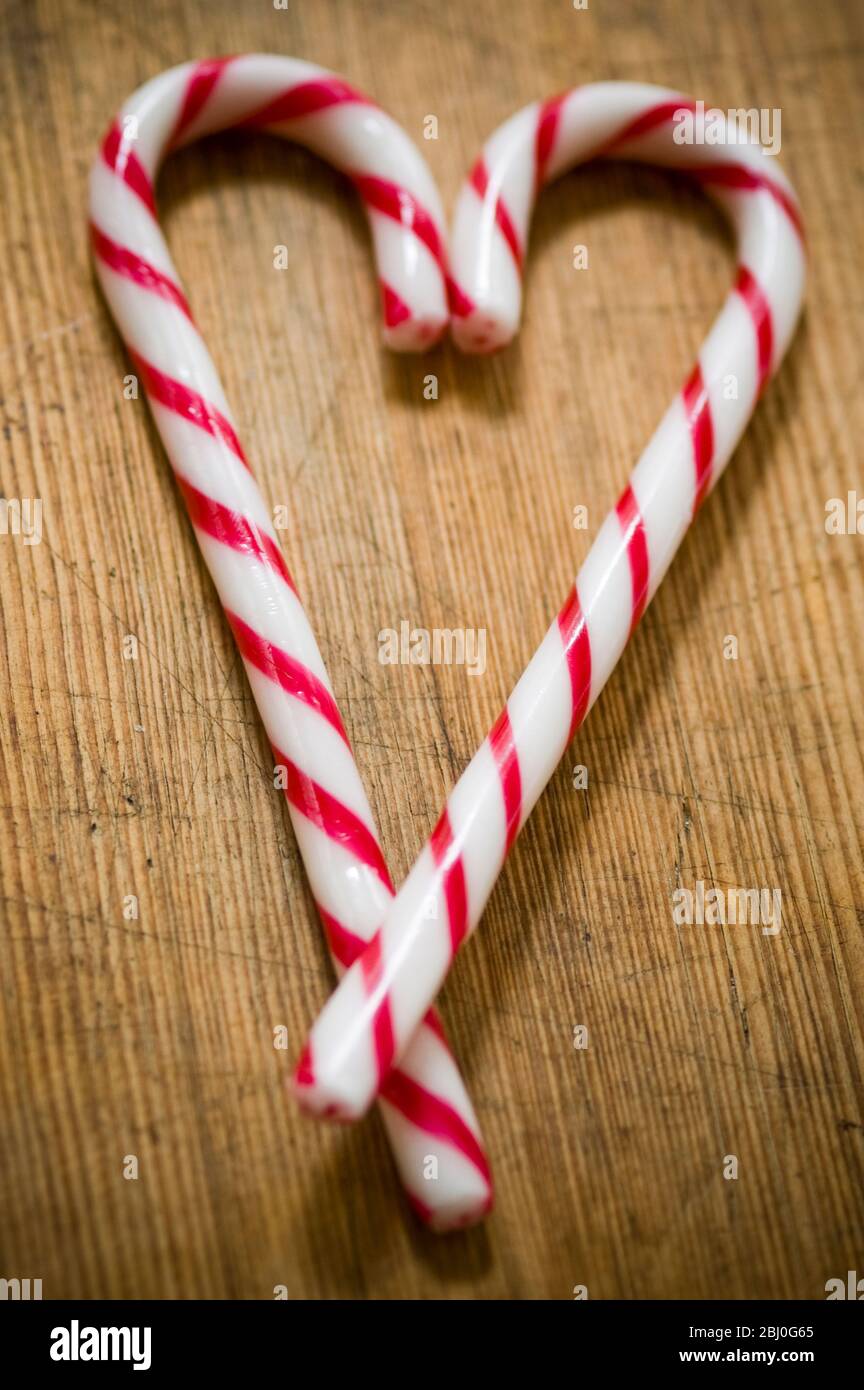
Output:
x=376 y=1007
x=425 y=1107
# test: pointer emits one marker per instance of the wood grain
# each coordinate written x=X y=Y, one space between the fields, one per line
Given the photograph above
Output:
x=150 y=776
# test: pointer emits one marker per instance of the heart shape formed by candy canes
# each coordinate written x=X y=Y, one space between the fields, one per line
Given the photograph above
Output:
x=360 y=1033
x=430 y=1122
x=378 y=1017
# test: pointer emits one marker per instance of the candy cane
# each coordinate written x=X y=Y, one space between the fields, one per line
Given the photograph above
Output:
x=362 y=1029
x=429 y=1119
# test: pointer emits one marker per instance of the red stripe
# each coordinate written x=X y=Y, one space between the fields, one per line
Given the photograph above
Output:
x=649 y=120
x=455 y=892
x=344 y=945
x=393 y=201
x=233 y=529
x=305 y=1073
x=294 y=678
x=504 y=750
x=547 y=132
x=433 y=1115
x=577 y=649
x=698 y=410
x=305 y=99
x=739 y=176
x=753 y=295
x=177 y=396
x=396 y=311
x=479 y=177
x=637 y=550
x=434 y=1024
x=461 y=305
x=124 y=262
x=199 y=89
x=337 y=821
x=726 y=175
x=479 y=180
x=119 y=156
x=371 y=964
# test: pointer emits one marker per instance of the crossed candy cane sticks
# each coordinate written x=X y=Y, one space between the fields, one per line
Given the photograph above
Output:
x=362 y=1029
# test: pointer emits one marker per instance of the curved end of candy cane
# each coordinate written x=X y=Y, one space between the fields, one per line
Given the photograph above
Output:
x=301 y=102
x=620 y=120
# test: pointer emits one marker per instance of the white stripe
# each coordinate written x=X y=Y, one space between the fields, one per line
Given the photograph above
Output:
x=162 y=334
x=453 y=1185
x=245 y=85
x=772 y=249
x=121 y=215
x=606 y=597
x=664 y=485
x=365 y=140
x=730 y=370
x=483 y=266
x=477 y=819
x=153 y=111
x=411 y=269
x=541 y=710
x=593 y=114
x=206 y=461
x=429 y=937
x=264 y=601
x=306 y=738
x=429 y=1056
x=511 y=174
x=332 y=1063
x=346 y=888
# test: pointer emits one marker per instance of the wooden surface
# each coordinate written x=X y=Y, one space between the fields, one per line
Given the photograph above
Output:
x=153 y=1037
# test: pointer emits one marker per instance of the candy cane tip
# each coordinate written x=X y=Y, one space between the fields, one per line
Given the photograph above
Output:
x=415 y=334
x=484 y=330
x=315 y=1098
x=450 y=1219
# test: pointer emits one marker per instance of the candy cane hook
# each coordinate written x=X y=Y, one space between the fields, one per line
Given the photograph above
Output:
x=443 y=897
x=426 y=1110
